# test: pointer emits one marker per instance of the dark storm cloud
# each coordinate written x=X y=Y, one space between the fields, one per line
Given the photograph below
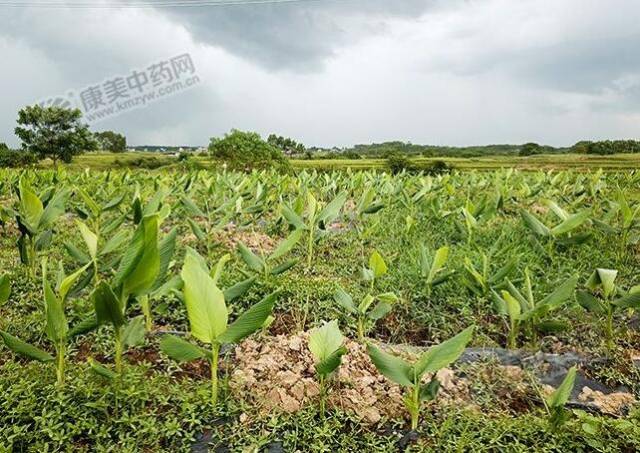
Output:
x=296 y=36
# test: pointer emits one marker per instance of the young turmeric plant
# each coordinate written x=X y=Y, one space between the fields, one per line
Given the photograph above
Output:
x=365 y=313
x=56 y=327
x=209 y=319
x=410 y=375
x=326 y=344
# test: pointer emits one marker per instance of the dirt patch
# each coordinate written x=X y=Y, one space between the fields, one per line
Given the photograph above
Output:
x=231 y=235
x=278 y=373
x=613 y=403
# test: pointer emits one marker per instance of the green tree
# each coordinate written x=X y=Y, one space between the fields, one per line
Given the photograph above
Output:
x=111 y=141
x=246 y=150
x=529 y=149
x=53 y=132
x=288 y=145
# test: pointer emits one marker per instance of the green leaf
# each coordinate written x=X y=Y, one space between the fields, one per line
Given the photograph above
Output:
x=294 y=219
x=285 y=246
x=590 y=303
x=325 y=340
x=329 y=364
x=572 y=222
x=180 y=350
x=67 y=283
x=76 y=253
x=331 y=211
x=114 y=242
x=145 y=268
x=133 y=333
x=534 y=224
x=31 y=207
x=206 y=309
x=54 y=209
x=5 y=289
x=513 y=306
x=377 y=264
x=439 y=260
x=166 y=249
x=284 y=267
x=197 y=231
x=345 y=300
x=251 y=259
x=250 y=321
x=191 y=207
x=365 y=303
x=380 y=310
x=439 y=356
x=561 y=294
x=239 y=289
x=631 y=300
x=25 y=349
x=86 y=325
x=90 y=238
x=392 y=367
x=604 y=278
x=561 y=395
x=216 y=272
x=101 y=370
x=428 y=392
x=107 y=306
x=56 y=322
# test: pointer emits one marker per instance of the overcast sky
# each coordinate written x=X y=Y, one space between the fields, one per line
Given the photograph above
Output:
x=340 y=72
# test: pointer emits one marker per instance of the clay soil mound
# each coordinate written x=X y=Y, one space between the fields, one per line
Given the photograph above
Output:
x=277 y=374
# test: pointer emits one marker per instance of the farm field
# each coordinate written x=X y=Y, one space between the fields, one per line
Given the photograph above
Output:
x=106 y=161
x=190 y=310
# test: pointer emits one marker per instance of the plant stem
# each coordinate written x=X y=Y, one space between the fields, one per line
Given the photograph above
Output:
x=360 y=329
x=60 y=350
x=310 y=248
x=119 y=348
x=146 y=310
x=322 y=395
x=215 y=352
x=610 y=327
x=415 y=412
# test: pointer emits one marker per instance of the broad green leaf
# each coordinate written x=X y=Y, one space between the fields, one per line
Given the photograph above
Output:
x=561 y=294
x=107 y=306
x=590 y=303
x=25 y=349
x=294 y=219
x=513 y=306
x=101 y=370
x=114 y=242
x=76 y=253
x=249 y=321
x=428 y=392
x=448 y=351
x=5 y=289
x=392 y=367
x=561 y=395
x=365 y=303
x=133 y=333
x=284 y=267
x=631 y=300
x=56 y=323
x=331 y=211
x=206 y=309
x=31 y=207
x=439 y=260
x=377 y=264
x=534 y=224
x=380 y=310
x=86 y=325
x=54 y=209
x=604 y=278
x=285 y=246
x=191 y=207
x=180 y=350
x=251 y=259
x=67 y=283
x=328 y=365
x=90 y=238
x=239 y=289
x=571 y=223
x=146 y=267
x=345 y=300
x=197 y=231
x=325 y=340
x=166 y=249
x=216 y=272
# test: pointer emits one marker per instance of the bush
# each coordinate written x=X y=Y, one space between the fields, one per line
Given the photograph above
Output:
x=398 y=164
x=246 y=151
x=438 y=167
x=13 y=158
